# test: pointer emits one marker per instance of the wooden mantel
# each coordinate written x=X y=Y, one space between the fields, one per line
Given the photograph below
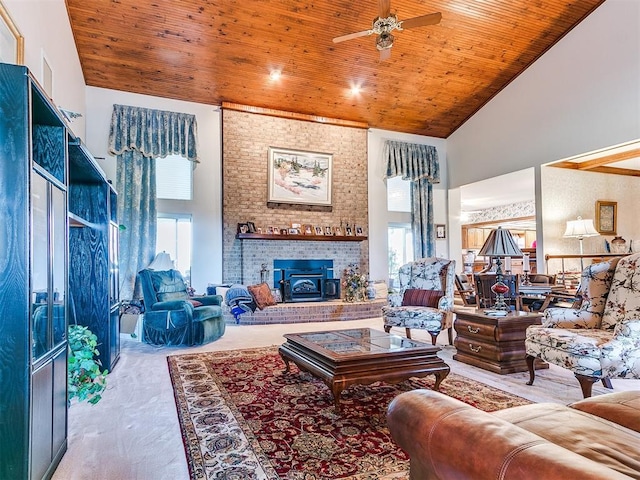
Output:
x=316 y=238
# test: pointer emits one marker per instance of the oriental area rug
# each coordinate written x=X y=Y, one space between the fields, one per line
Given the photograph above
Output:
x=242 y=418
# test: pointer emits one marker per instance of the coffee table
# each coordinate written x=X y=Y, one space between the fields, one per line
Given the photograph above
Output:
x=361 y=356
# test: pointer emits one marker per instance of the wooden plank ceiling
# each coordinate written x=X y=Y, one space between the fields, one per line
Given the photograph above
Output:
x=214 y=51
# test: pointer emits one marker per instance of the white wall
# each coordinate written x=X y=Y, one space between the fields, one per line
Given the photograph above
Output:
x=379 y=217
x=581 y=95
x=47 y=32
x=206 y=206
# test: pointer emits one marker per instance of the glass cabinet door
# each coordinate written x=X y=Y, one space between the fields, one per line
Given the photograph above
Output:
x=59 y=263
x=40 y=319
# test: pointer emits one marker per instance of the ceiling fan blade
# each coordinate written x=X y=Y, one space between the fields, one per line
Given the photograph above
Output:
x=352 y=35
x=384 y=54
x=430 y=19
x=384 y=8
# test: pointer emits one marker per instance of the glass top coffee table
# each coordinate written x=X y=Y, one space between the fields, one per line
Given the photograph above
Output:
x=361 y=356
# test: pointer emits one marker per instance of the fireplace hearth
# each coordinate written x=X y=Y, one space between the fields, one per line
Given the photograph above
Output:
x=308 y=280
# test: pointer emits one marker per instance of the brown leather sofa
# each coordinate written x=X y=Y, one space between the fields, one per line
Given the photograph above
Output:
x=596 y=438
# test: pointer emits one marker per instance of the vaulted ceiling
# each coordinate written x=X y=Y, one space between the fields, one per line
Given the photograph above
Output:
x=214 y=51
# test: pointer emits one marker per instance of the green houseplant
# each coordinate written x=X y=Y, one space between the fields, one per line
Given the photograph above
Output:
x=86 y=380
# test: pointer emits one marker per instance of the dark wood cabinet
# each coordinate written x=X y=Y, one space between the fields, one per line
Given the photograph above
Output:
x=45 y=172
x=93 y=240
x=33 y=279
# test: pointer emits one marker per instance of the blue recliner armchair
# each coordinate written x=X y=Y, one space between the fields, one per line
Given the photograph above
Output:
x=171 y=317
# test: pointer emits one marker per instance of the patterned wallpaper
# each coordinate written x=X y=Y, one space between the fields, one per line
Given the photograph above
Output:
x=504 y=212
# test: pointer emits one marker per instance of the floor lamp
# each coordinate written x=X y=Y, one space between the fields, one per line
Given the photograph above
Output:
x=500 y=243
x=580 y=229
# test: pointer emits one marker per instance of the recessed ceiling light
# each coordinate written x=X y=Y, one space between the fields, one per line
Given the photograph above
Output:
x=275 y=75
x=355 y=90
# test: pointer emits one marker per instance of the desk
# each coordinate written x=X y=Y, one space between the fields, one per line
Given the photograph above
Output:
x=493 y=343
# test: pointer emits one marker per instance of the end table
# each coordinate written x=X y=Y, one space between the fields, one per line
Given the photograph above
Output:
x=491 y=342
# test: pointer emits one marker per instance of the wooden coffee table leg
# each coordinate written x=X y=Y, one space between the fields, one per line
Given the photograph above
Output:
x=287 y=368
x=336 y=390
x=440 y=376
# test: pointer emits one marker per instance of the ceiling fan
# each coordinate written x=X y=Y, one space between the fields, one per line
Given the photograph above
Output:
x=386 y=23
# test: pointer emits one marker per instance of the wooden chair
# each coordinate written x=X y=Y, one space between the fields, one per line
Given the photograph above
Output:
x=561 y=300
x=485 y=298
x=542 y=279
x=465 y=290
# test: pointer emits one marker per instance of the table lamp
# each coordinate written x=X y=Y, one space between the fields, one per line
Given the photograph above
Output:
x=500 y=243
x=580 y=229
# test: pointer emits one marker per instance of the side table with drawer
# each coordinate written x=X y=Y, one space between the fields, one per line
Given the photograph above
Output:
x=493 y=343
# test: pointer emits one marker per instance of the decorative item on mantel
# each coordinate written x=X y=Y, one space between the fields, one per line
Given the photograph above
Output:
x=354 y=284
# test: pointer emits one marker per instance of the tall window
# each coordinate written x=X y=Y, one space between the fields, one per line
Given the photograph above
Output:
x=398 y=195
x=174 y=175
x=174 y=237
x=400 y=249
x=400 y=235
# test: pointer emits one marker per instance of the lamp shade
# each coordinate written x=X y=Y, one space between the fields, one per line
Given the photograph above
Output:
x=580 y=228
x=162 y=262
x=500 y=243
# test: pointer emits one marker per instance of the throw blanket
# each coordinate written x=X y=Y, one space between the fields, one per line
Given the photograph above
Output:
x=239 y=300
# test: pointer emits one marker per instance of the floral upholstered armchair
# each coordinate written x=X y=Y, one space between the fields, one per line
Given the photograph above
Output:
x=425 y=300
x=600 y=340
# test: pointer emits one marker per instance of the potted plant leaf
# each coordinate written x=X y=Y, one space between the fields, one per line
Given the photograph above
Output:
x=86 y=380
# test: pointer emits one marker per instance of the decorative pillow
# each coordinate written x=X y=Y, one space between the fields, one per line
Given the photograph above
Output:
x=195 y=303
x=262 y=295
x=421 y=298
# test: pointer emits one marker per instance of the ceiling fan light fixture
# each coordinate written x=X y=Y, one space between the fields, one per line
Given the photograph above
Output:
x=385 y=25
x=384 y=41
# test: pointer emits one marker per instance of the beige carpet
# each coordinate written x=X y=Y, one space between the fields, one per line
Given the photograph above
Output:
x=133 y=433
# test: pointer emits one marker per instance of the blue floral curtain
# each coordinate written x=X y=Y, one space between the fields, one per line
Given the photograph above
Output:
x=137 y=137
x=419 y=164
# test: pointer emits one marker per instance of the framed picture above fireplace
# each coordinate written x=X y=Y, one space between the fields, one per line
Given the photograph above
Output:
x=299 y=177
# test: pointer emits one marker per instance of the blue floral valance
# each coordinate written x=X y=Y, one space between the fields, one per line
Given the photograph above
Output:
x=411 y=160
x=154 y=133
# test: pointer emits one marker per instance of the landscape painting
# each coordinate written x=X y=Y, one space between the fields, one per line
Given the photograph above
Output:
x=299 y=177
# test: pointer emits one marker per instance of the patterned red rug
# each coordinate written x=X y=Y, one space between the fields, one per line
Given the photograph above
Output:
x=242 y=418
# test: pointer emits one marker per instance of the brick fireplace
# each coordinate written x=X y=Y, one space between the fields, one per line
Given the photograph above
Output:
x=245 y=142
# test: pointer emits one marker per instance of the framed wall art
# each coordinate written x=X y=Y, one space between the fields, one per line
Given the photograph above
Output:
x=11 y=41
x=606 y=217
x=441 y=231
x=299 y=177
